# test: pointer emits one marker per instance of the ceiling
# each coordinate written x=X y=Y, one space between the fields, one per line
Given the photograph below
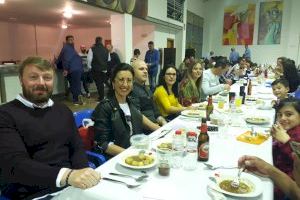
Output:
x=49 y=13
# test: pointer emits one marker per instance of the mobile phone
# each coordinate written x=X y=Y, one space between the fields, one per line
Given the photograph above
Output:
x=295 y=147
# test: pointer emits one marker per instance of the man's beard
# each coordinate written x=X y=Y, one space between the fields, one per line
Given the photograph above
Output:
x=35 y=98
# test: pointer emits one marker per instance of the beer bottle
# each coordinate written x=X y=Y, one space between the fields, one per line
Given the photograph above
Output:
x=249 y=91
x=209 y=107
x=203 y=142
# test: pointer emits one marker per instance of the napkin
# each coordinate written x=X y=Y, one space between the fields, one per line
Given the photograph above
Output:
x=248 y=138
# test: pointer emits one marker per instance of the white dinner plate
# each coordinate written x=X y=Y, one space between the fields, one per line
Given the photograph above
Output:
x=257 y=120
x=193 y=113
x=252 y=181
x=132 y=152
x=200 y=106
x=159 y=144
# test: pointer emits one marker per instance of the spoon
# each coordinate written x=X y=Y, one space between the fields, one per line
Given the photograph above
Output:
x=211 y=167
x=236 y=181
x=138 y=179
x=117 y=181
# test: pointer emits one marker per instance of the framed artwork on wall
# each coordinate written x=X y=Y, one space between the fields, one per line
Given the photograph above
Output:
x=238 y=24
x=270 y=22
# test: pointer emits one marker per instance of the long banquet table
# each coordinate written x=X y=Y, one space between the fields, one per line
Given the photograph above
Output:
x=182 y=184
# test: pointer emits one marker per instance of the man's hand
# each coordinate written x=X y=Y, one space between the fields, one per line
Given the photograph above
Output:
x=84 y=178
x=255 y=165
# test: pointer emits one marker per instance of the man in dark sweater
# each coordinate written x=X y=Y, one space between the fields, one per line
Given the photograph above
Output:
x=40 y=148
x=142 y=95
x=97 y=60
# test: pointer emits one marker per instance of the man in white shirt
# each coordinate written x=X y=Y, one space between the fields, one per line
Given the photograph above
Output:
x=210 y=83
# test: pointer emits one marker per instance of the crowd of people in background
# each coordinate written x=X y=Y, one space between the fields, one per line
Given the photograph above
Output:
x=135 y=103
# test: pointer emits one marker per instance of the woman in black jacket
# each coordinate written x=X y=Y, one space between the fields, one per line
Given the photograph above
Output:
x=116 y=118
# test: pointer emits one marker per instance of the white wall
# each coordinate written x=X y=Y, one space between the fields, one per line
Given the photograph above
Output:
x=19 y=41
x=196 y=6
x=158 y=9
x=142 y=34
x=290 y=32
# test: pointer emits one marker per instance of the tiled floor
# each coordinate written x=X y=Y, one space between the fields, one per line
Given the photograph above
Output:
x=89 y=103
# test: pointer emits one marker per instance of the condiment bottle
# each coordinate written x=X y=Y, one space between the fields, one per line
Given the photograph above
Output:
x=178 y=148
x=190 y=160
x=249 y=91
x=203 y=142
x=209 y=107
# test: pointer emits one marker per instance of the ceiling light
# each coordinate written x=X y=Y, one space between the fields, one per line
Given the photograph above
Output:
x=64 y=26
x=68 y=12
x=2 y=1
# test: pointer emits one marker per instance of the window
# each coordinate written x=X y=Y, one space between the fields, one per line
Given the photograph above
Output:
x=175 y=10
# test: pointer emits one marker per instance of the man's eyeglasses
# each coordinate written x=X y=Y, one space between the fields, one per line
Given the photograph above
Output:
x=170 y=74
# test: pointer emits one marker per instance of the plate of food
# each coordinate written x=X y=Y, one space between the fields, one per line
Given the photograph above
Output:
x=200 y=106
x=193 y=113
x=257 y=120
x=163 y=144
x=138 y=159
x=250 y=185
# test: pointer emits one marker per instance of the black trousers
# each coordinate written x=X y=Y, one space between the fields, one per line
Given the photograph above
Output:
x=100 y=78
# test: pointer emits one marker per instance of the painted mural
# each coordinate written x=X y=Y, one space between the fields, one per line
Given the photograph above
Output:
x=270 y=22
x=238 y=24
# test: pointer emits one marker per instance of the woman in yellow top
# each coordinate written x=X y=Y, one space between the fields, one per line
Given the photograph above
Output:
x=166 y=94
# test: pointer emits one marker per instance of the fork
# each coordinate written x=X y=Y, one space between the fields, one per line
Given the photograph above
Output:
x=236 y=181
x=209 y=166
x=117 y=181
x=140 y=178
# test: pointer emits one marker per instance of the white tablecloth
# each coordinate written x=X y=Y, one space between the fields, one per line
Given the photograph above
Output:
x=181 y=184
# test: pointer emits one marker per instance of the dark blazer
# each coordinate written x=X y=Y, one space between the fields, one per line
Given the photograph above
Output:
x=111 y=126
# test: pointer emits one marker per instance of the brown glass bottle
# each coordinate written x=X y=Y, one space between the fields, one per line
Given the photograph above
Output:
x=209 y=107
x=203 y=142
x=249 y=91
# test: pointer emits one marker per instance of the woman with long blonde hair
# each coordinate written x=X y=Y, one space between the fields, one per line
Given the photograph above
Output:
x=190 y=87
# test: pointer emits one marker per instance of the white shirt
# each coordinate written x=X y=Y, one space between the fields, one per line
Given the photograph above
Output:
x=89 y=58
x=48 y=104
x=127 y=113
x=210 y=83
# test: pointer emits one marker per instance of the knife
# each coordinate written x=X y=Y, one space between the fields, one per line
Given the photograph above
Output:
x=164 y=134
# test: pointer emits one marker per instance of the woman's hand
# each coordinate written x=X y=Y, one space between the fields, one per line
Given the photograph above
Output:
x=84 y=178
x=279 y=133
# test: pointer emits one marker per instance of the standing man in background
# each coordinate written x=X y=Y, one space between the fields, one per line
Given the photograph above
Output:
x=112 y=60
x=86 y=70
x=97 y=60
x=72 y=65
x=234 y=56
x=247 y=53
x=152 y=61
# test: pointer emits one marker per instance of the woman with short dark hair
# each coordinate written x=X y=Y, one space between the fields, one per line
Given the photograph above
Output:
x=116 y=118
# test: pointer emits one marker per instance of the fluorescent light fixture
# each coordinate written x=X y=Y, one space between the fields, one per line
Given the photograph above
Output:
x=64 y=26
x=2 y=1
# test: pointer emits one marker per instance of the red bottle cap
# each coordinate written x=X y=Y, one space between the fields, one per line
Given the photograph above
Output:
x=178 y=132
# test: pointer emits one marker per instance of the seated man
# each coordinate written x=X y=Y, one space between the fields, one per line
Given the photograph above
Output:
x=143 y=97
x=40 y=148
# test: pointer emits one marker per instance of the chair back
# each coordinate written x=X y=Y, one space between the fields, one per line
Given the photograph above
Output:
x=79 y=116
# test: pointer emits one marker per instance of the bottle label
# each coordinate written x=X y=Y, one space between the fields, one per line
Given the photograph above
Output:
x=203 y=150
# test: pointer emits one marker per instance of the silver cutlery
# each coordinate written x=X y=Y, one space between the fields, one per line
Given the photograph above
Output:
x=163 y=134
x=138 y=179
x=236 y=181
x=117 y=181
x=211 y=167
